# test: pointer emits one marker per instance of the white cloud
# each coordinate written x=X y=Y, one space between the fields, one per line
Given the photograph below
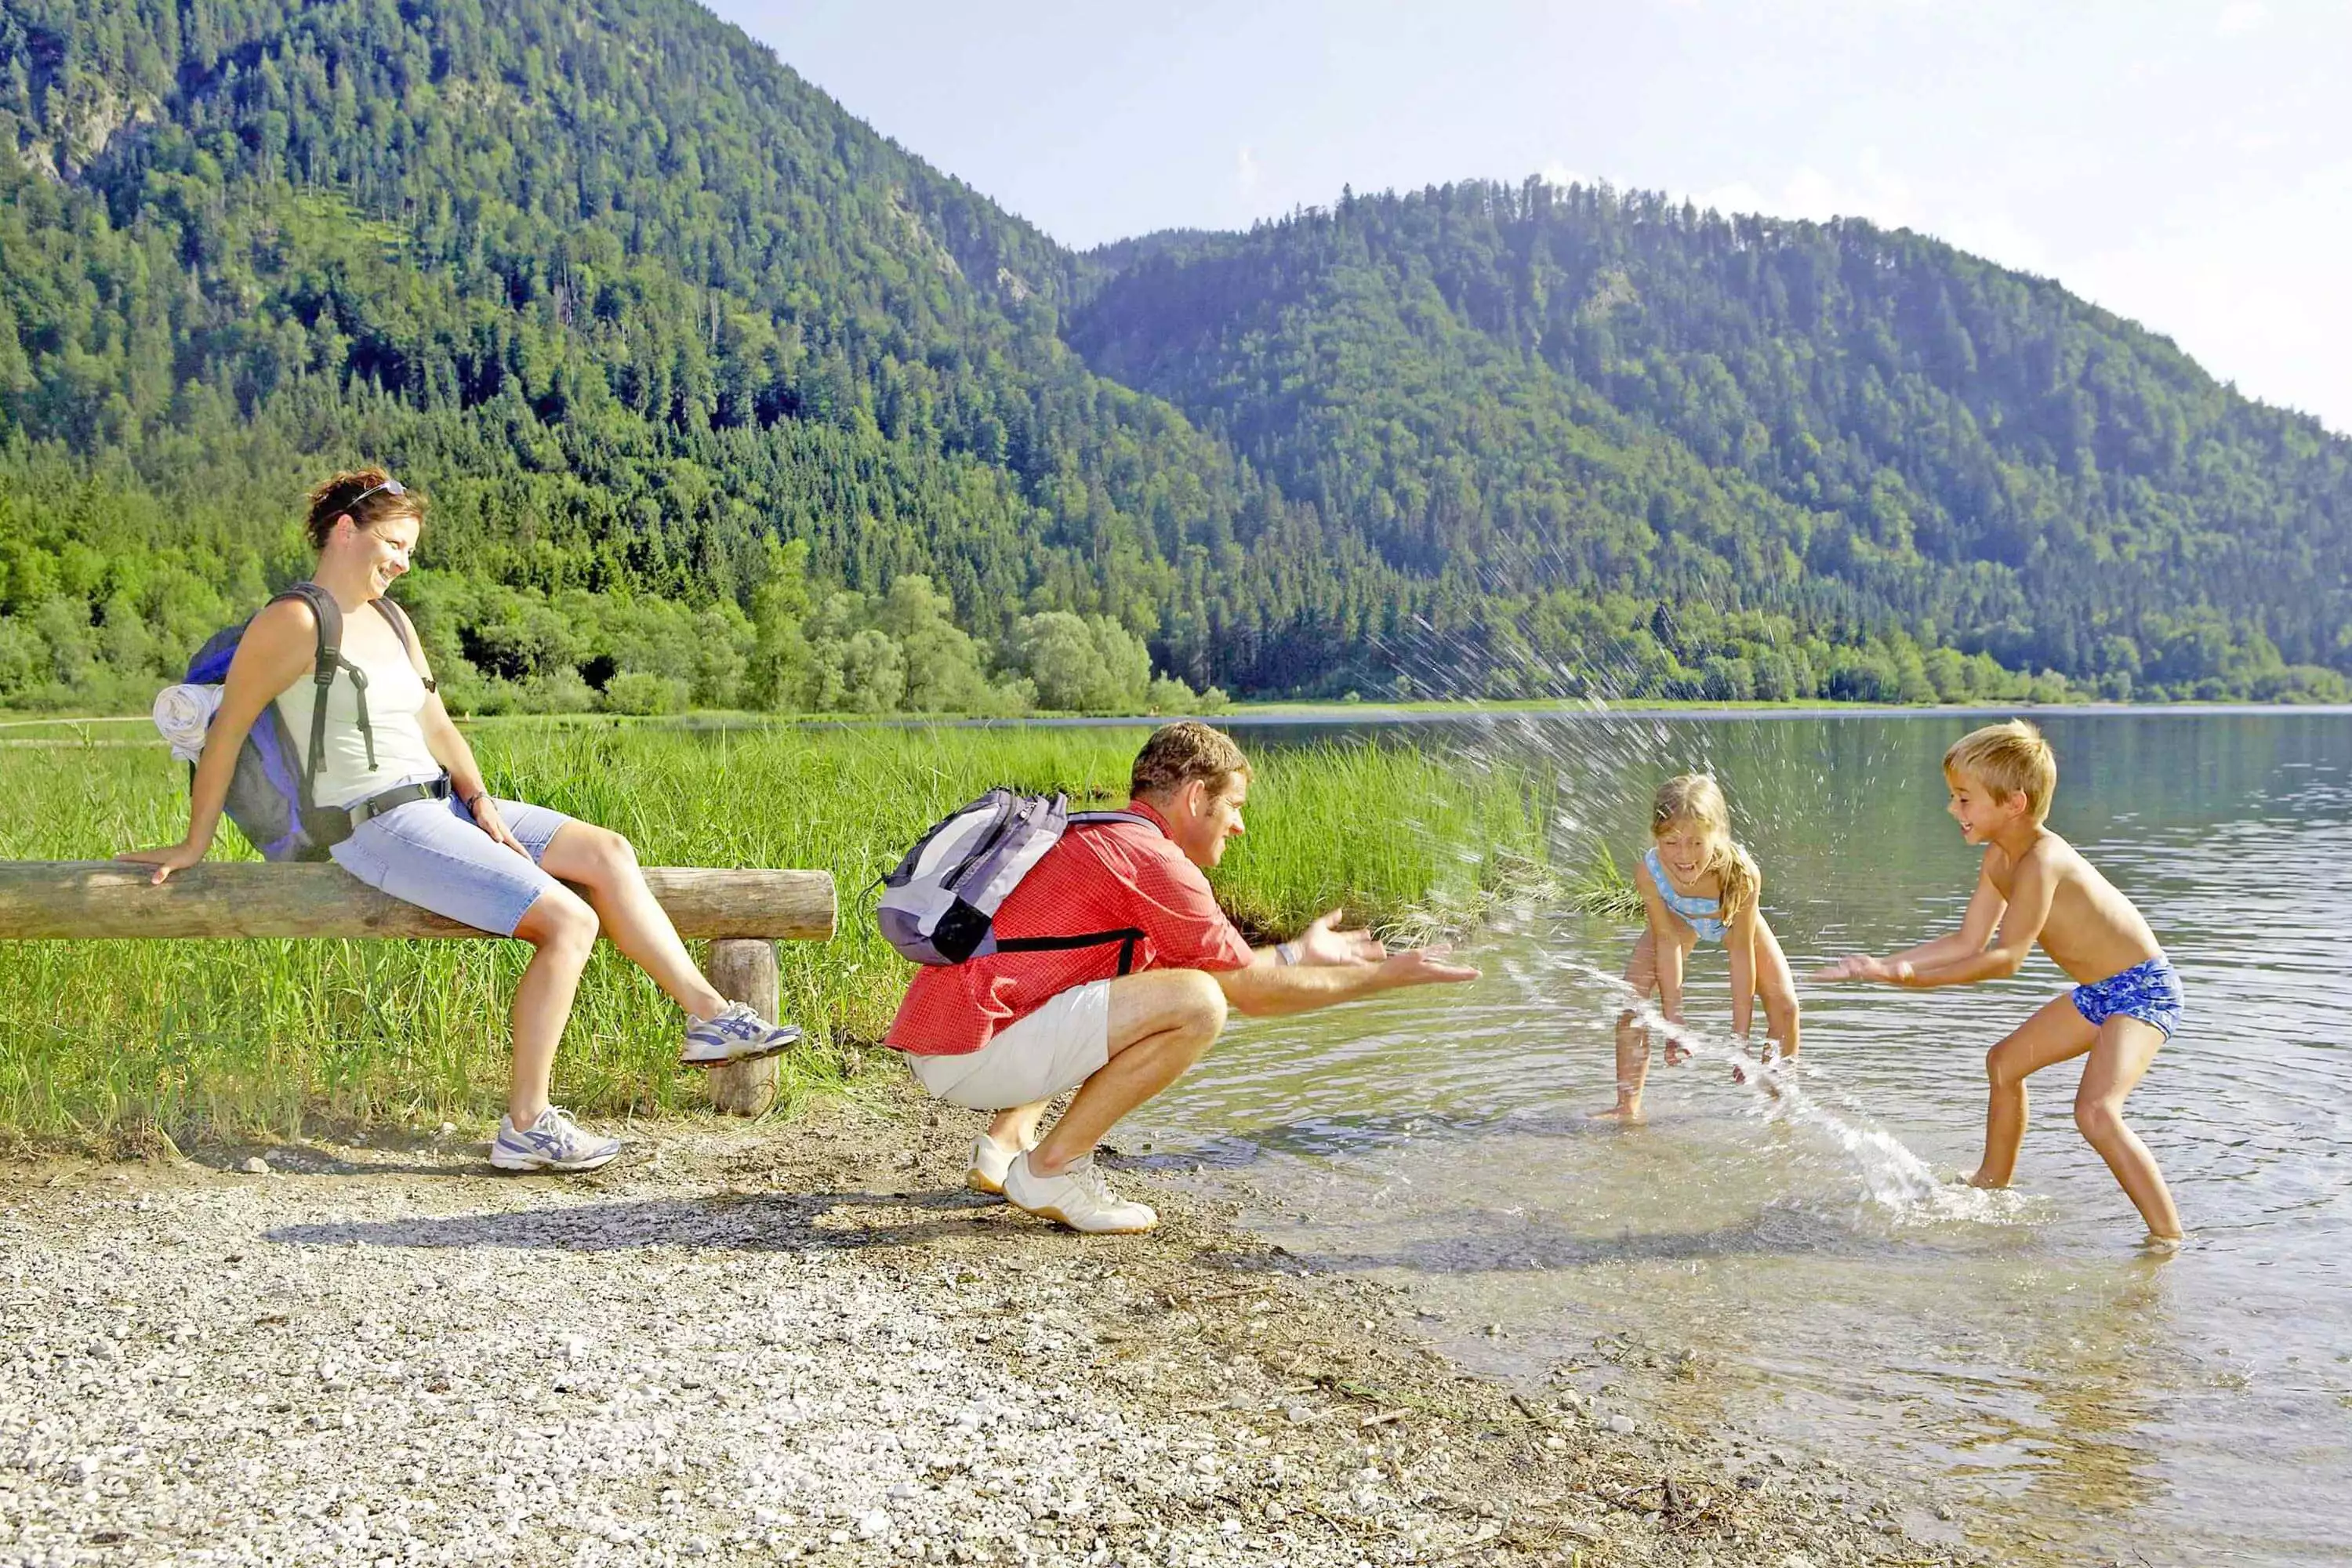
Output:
x=1739 y=196
x=1558 y=174
x=2247 y=286
x=2242 y=17
x=1247 y=175
x=2250 y=287
x=1872 y=192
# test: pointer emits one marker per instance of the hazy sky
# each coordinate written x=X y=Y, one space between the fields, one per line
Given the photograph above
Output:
x=2186 y=165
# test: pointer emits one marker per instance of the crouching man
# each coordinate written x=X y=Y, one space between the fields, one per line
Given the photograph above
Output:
x=1009 y=1032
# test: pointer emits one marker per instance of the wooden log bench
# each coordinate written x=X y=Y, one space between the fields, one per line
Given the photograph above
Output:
x=744 y=914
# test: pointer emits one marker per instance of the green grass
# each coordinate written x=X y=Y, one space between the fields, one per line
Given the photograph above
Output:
x=1600 y=888
x=102 y=1040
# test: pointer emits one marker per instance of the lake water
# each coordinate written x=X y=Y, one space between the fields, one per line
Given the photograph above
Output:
x=2080 y=1400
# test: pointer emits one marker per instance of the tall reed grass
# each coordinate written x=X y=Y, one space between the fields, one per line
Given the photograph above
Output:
x=245 y=1038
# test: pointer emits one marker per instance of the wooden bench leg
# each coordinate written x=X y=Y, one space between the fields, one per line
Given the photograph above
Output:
x=745 y=971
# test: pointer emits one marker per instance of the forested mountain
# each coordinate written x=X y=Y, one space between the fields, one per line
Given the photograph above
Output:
x=1608 y=391
x=628 y=298
x=701 y=373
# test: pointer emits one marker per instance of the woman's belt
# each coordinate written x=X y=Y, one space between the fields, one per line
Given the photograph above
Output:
x=393 y=799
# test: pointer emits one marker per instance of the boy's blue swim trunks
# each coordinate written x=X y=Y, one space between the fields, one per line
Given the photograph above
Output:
x=2149 y=991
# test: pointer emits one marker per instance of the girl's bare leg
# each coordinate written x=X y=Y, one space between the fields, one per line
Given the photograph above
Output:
x=606 y=865
x=1633 y=1039
x=2125 y=1046
x=2055 y=1033
x=563 y=930
x=1776 y=987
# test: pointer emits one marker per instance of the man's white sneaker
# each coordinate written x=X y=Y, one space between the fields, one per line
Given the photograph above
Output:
x=736 y=1034
x=1079 y=1197
x=990 y=1161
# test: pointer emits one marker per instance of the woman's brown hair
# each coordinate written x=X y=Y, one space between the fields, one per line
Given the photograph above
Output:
x=368 y=496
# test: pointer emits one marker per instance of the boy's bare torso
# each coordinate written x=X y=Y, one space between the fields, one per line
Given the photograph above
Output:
x=2093 y=932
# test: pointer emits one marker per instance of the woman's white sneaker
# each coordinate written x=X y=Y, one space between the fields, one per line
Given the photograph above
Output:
x=1079 y=1198
x=553 y=1142
x=736 y=1034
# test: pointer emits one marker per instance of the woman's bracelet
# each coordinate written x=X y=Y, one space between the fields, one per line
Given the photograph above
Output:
x=1286 y=952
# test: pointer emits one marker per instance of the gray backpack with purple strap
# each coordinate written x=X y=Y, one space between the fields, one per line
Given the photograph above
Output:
x=940 y=906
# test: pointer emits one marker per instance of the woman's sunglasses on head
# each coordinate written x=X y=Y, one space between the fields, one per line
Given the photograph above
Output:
x=388 y=486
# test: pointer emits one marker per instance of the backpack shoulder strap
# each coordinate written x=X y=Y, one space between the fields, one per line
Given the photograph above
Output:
x=329 y=616
x=1079 y=818
x=398 y=618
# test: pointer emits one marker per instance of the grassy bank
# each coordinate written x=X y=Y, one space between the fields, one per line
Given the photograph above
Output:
x=250 y=1037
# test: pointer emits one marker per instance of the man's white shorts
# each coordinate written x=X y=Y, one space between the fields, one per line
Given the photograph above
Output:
x=1050 y=1052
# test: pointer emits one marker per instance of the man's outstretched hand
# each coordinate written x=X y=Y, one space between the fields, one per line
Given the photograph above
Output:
x=1424 y=966
x=1324 y=942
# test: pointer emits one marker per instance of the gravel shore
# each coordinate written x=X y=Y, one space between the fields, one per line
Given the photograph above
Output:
x=780 y=1343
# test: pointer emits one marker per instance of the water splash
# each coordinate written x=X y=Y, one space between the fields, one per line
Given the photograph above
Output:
x=1800 y=1094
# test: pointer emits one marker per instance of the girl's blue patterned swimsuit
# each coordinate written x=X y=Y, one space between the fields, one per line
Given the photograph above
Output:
x=1705 y=915
x=2149 y=991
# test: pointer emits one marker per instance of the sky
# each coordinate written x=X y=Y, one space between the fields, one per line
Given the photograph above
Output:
x=2187 y=164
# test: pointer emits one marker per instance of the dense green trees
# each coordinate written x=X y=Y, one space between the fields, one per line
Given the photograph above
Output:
x=721 y=397
x=626 y=297
x=1860 y=433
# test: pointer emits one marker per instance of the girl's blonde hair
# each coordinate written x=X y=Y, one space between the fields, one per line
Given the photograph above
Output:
x=1696 y=798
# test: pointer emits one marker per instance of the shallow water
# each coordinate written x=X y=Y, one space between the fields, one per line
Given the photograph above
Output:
x=2081 y=1400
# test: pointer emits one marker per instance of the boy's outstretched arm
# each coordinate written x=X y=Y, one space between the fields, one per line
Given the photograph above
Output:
x=1985 y=912
x=2031 y=889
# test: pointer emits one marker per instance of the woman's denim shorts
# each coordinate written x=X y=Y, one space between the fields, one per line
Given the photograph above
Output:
x=429 y=853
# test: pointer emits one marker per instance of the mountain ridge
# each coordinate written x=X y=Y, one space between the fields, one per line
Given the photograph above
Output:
x=646 y=305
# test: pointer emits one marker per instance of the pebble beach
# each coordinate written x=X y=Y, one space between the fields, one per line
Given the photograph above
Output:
x=782 y=1343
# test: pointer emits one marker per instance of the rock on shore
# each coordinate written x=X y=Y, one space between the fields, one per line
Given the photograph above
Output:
x=770 y=1345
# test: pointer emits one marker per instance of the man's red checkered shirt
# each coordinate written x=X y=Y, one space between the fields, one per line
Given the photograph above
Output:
x=1101 y=877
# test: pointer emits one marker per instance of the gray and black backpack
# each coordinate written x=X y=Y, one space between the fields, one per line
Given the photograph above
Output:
x=940 y=906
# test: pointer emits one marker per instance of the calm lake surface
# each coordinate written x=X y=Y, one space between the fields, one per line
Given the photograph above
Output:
x=2079 y=1400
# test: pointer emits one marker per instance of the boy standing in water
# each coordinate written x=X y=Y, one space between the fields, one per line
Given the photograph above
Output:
x=2033 y=886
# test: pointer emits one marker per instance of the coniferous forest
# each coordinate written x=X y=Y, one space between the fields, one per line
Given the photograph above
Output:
x=721 y=398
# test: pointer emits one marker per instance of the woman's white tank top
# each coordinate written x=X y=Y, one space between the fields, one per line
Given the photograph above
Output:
x=395 y=695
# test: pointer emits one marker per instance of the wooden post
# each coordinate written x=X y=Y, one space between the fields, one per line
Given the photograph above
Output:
x=745 y=971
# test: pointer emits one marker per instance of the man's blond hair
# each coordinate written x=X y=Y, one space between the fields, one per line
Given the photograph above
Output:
x=1181 y=752
x=2012 y=758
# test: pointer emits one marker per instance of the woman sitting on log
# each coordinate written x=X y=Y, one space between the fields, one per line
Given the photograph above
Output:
x=397 y=795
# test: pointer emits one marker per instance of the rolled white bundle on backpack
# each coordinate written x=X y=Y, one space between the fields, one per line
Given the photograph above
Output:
x=184 y=713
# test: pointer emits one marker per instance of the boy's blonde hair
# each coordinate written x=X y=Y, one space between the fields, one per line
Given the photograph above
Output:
x=2012 y=758
x=1697 y=799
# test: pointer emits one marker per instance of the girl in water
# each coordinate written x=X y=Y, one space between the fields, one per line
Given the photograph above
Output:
x=1698 y=885
x=425 y=829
